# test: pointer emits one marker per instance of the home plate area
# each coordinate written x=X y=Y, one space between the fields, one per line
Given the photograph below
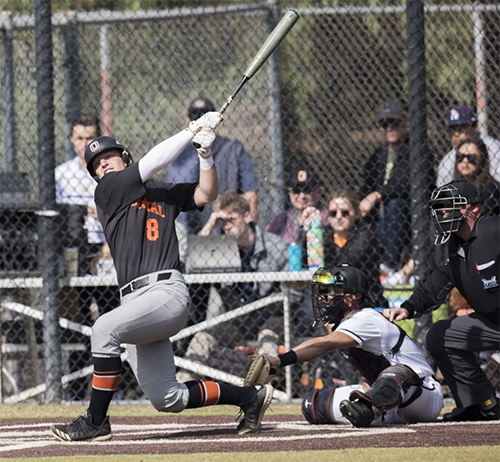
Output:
x=192 y=434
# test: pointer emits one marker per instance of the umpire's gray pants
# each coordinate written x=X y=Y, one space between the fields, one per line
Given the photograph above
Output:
x=145 y=321
x=452 y=344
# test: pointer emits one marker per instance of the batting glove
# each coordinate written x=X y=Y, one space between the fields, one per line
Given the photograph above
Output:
x=203 y=141
x=208 y=120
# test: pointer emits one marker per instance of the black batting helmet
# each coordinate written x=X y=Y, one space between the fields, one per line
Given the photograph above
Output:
x=103 y=144
x=317 y=406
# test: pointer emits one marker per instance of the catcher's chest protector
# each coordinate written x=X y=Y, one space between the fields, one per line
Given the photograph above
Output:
x=368 y=364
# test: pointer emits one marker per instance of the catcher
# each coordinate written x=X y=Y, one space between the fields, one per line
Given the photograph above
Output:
x=400 y=384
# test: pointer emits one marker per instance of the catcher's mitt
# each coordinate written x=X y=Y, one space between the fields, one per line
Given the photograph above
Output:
x=259 y=372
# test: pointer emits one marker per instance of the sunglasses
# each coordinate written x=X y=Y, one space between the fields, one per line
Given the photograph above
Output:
x=389 y=123
x=471 y=158
x=458 y=128
x=298 y=190
x=333 y=213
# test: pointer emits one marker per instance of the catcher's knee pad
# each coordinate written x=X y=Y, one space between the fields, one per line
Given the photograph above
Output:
x=317 y=406
x=387 y=391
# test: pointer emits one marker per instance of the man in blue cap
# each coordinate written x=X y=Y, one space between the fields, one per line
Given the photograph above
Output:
x=462 y=124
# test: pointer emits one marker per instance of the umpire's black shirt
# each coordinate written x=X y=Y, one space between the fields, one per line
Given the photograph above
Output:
x=473 y=268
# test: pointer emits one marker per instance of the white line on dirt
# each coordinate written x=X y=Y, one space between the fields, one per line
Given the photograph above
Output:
x=38 y=439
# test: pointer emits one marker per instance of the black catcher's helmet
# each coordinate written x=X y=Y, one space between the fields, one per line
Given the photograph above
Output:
x=446 y=204
x=327 y=299
x=103 y=144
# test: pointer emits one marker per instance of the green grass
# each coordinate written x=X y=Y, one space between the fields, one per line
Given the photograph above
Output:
x=460 y=454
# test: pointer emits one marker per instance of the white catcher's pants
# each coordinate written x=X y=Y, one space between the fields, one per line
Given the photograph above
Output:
x=425 y=408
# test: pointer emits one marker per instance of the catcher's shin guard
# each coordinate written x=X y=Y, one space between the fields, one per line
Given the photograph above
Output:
x=388 y=390
x=317 y=406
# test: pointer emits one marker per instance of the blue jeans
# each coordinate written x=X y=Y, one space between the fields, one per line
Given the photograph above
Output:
x=393 y=230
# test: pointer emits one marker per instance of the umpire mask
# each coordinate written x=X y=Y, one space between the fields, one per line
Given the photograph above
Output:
x=447 y=204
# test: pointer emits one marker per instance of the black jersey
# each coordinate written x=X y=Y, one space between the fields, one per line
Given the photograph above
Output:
x=473 y=268
x=139 y=221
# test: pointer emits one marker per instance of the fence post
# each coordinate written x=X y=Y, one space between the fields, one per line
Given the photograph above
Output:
x=278 y=203
x=9 y=128
x=47 y=244
x=71 y=82
x=420 y=161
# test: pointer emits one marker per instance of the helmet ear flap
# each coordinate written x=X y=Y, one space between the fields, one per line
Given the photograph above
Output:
x=127 y=158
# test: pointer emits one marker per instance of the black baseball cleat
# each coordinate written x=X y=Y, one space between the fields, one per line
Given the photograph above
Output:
x=254 y=410
x=82 y=429
x=358 y=412
x=462 y=414
x=487 y=410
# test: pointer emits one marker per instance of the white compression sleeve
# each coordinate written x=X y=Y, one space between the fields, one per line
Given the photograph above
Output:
x=163 y=154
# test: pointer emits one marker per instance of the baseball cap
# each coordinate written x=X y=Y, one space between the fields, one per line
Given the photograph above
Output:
x=461 y=115
x=390 y=110
x=304 y=178
x=198 y=107
x=468 y=190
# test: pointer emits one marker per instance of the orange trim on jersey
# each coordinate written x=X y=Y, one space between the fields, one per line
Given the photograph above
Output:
x=105 y=382
x=210 y=393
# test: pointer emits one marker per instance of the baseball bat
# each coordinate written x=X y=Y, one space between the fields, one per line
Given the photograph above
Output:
x=271 y=43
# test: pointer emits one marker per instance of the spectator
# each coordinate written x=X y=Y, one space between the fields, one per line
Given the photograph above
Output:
x=462 y=124
x=260 y=251
x=473 y=267
x=472 y=164
x=352 y=241
x=75 y=186
x=236 y=173
x=400 y=384
x=385 y=186
x=234 y=167
x=81 y=229
x=304 y=191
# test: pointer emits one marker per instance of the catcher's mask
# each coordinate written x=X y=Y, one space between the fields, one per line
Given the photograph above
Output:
x=329 y=285
x=103 y=144
x=447 y=207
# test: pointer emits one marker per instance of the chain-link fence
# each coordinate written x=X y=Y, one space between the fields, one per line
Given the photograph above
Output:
x=316 y=126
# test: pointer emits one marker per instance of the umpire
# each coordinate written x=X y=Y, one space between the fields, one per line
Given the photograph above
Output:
x=472 y=266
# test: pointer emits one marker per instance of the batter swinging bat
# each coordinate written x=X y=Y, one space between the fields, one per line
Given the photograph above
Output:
x=272 y=42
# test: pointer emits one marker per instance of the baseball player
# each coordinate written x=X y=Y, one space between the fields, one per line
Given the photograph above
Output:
x=473 y=267
x=402 y=389
x=138 y=220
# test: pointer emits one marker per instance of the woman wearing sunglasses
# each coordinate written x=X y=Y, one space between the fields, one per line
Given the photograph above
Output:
x=472 y=164
x=349 y=240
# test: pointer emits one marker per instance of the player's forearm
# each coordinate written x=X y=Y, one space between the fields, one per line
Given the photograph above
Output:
x=208 y=186
x=164 y=154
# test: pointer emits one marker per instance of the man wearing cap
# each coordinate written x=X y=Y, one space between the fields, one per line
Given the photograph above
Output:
x=462 y=124
x=234 y=167
x=304 y=192
x=473 y=267
x=235 y=173
x=385 y=186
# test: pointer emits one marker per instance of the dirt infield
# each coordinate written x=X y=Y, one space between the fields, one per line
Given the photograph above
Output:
x=190 y=434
